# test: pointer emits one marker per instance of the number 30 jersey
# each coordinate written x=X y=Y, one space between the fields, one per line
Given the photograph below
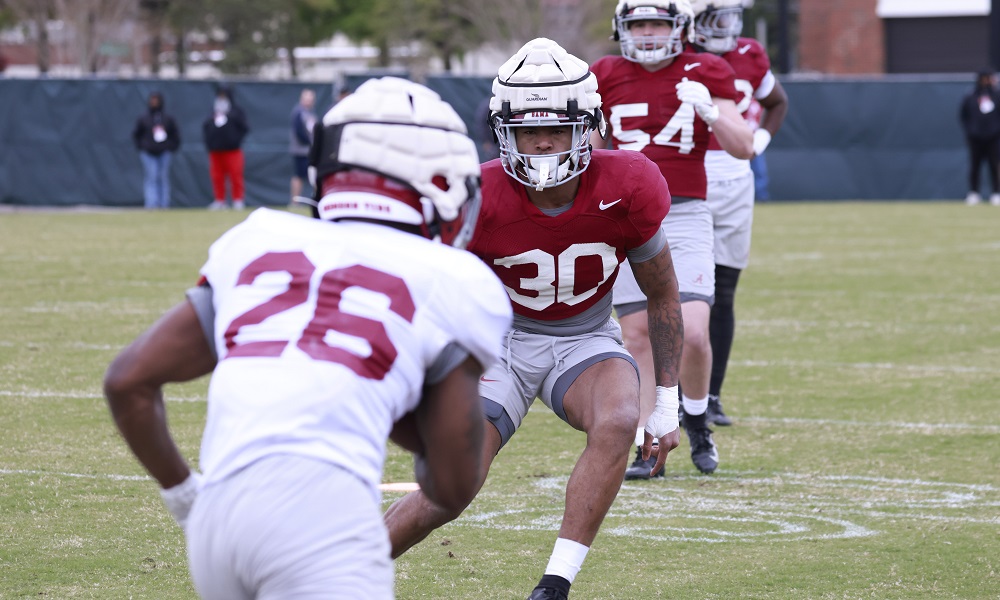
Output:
x=645 y=114
x=325 y=333
x=559 y=269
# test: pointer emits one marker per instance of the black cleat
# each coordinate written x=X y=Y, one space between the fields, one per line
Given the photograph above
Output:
x=640 y=469
x=704 y=454
x=714 y=414
x=547 y=593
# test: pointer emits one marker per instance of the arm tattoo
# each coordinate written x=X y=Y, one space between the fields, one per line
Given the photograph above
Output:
x=658 y=281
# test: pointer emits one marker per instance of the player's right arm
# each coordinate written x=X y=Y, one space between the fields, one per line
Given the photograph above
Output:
x=449 y=422
x=174 y=349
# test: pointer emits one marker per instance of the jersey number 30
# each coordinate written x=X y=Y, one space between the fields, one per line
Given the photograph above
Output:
x=327 y=315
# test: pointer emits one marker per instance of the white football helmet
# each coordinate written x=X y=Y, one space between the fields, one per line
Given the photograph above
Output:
x=540 y=86
x=718 y=23
x=650 y=50
x=394 y=151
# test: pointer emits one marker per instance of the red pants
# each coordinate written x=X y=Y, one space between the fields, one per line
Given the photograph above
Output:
x=222 y=164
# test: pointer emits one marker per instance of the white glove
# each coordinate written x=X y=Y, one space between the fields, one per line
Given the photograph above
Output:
x=761 y=138
x=664 y=417
x=180 y=497
x=692 y=92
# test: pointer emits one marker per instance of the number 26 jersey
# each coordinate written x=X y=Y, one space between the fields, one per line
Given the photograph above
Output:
x=325 y=332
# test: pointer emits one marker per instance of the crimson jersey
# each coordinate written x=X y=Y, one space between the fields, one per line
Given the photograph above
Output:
x=645 y=114
x=559 y=270
x=750 y=63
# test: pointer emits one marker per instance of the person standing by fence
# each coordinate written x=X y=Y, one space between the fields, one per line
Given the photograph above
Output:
x=981 y=124
x=300 y=138
x=156 y=137
x=224 y=131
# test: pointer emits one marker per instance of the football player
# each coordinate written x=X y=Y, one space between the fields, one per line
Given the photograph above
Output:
x=661 y=98
x=320 y=335
x=556 y=226
x=717 y=28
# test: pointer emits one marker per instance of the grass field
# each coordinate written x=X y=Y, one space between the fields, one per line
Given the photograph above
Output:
x=864 y=462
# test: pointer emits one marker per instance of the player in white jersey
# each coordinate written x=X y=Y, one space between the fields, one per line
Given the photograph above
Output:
x=730 y=195
x=326 y=337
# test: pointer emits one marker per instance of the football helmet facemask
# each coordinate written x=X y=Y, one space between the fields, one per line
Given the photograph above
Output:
x=718 y=23
x=542 y=85
x=652 y=49
x=393 y=151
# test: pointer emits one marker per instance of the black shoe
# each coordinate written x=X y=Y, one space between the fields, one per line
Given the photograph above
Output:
x=704 y=454
x=546 y=593
x=714 y=414
x=640 y=469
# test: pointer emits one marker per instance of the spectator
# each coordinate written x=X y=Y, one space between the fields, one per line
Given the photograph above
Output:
x=156 y=137
x=224 y=131
x=300 y=406
x=981 y=123
x=300 y=135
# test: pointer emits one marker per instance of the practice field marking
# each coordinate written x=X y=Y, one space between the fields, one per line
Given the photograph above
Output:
x=868 y=366
x=82 y=395
x=78 y=395
x=75 y=475
x=400 y=486
x=736 y=507
x=751 y=507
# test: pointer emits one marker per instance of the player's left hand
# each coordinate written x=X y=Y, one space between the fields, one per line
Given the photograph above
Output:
x=696 y=94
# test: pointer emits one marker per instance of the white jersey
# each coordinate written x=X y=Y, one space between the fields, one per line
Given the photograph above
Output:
x=325 y=333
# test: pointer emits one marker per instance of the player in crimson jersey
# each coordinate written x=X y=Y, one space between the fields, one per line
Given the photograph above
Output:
x=321 y=334
x=717 y=26
x=556 y=225
x=661 y=98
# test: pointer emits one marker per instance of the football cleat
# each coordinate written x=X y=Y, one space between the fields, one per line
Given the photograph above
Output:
x=973 y=199
x=540 y=593
x=641 y=469
x=704 y=454
x=714 y=414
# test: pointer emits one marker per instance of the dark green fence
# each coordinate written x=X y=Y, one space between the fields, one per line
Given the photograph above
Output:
x=68 y=142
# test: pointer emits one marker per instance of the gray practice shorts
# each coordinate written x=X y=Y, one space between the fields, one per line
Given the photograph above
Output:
x=689 y=232
x=289 y=527
x=731 y=203
x=543 y=366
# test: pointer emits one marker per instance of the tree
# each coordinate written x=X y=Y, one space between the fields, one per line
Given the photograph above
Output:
x=38 y=13
x=97 y=23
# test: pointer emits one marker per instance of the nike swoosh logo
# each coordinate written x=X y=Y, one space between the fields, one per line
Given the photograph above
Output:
x=604 y=206
x=744 y=49
x=690 y=66
x=485 y=380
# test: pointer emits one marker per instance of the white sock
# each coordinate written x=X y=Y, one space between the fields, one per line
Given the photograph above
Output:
x=640 y=436
x=693 y=406
x=567 y=558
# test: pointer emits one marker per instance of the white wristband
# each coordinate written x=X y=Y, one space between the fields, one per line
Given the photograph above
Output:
x=761 y=138
x=180 y=497
x=664 y=417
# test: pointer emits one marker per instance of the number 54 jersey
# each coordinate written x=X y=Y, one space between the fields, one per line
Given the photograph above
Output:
x=559 y=266
x=325 y=333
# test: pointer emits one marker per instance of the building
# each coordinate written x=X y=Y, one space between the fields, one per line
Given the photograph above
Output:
x=865 y=37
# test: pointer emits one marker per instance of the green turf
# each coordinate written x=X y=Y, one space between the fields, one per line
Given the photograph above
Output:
x=864 y=462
